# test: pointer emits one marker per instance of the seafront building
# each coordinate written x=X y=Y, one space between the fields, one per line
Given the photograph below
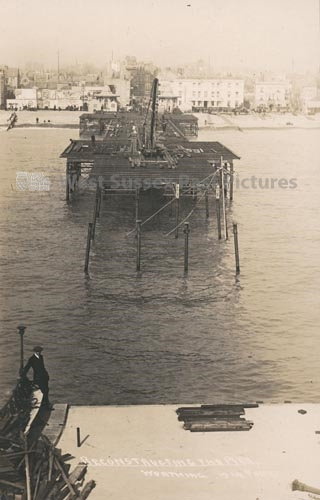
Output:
x=192 y=94
x=272 y=95
x=95 y=98
x=24 y=99
x=310 y=100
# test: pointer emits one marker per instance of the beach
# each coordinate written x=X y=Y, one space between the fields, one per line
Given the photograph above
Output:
x=220 y=121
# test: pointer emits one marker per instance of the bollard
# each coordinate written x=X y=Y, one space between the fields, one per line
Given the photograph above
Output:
x=21 y=330
x=78 y=437
x=138 y=245
x=186 y=246
x=236 y=247
x=86 y=265
x=218 y=210
x=207 y=204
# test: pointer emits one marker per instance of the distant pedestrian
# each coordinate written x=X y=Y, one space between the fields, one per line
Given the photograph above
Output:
x=40 y=374
x=37 y=120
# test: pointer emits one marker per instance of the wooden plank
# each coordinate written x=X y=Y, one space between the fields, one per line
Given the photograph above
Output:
x=239 y=422
x=212 y=418
x=87 y=490
x=218 y=427
x=56 y=424
x=78 y=473
x=66 y=457
x=18 y=486
x=46 y=486
x=65 y=477
x=210 y=413
x=233 y=405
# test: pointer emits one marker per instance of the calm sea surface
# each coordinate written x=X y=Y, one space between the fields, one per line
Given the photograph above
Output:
x=159 y=337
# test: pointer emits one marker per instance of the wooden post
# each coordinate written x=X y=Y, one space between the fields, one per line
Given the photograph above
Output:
x=21 y=329
x=67 y=184
x=78 y=437
x=95 y=215
x=98 y=196
x=231 y=180
x=100 y=200
x=186 y=246
x=177 y=193
x=137 y=197
x=236 y=247
x=223 y=202
x=138 y=267
x=86 y=265
x=218 y=209
x=207 y=204
x=170 y=208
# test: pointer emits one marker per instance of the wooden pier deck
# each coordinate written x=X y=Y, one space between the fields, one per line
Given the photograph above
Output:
x=186 y=160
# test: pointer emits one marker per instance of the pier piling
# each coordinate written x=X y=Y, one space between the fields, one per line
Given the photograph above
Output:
x=86 y=265
x=95 y=216
x=218 y=210
x=137 y=199
x=236 y=247
x=186 y=246
x=67 y=184
x=224 y=202
x=177 y=189
x=138 y=266
x=231 y=180
x=207 y=204
x=98 y=201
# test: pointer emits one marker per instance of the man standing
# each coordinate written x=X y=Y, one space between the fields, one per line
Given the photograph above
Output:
x=40 y=374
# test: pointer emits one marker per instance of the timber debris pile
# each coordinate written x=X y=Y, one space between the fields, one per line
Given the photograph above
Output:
x=215 y=418
x=31 y=467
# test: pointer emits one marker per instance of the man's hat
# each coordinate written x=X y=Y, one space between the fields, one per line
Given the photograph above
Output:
x=37 y=348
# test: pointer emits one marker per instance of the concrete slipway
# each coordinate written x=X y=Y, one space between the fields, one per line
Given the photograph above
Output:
x=143 y=453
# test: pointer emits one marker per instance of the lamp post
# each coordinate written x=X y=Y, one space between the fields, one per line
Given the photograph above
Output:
x=21 y=330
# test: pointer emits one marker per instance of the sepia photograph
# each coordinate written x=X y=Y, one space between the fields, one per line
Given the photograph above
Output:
x=159 y=249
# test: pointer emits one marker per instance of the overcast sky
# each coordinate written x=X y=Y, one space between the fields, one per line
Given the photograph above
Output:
x=270 y=34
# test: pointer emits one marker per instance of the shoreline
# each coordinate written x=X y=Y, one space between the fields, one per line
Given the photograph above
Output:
x=201 y=128
x=48 y=119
